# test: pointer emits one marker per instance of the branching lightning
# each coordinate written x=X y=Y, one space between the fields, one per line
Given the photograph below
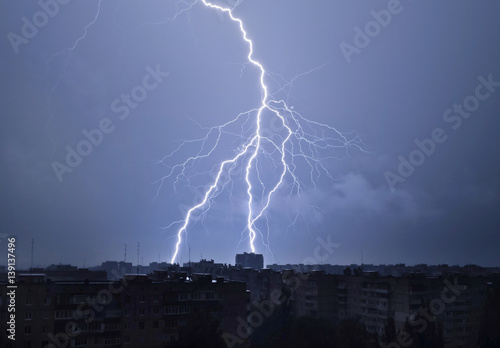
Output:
x=296 y=139
x=68 y=50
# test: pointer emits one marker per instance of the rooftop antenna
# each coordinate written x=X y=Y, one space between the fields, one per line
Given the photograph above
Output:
x=125 y=258
x=84 y=262
x=31 y=264
x=361 y=259
x=138 y=248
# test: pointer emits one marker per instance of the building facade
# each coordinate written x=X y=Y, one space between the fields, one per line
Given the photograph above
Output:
x=134 y=311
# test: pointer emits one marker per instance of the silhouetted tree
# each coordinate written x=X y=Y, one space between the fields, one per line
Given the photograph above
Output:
x=315 y=332
x=423 y=333
x=352 y=334
x=279 y=318
x=389 y=331
x=305 y=332
x=489 y=322
x=201 y=330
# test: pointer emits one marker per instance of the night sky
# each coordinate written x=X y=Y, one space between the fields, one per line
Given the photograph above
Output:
x=414 y=85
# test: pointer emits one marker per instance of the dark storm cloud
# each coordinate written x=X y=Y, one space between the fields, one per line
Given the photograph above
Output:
x=409 y=62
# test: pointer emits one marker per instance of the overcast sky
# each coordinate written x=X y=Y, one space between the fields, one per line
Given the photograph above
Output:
x=81 y=165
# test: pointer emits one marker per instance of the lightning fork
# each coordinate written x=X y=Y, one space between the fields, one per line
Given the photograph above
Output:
x=300 y=138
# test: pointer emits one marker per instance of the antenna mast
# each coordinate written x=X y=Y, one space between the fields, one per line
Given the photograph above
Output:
x=32 y=244
x=138 y=248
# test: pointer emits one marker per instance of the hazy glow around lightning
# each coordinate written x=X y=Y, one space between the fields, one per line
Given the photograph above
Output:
x=255 y=140
x=302 y=139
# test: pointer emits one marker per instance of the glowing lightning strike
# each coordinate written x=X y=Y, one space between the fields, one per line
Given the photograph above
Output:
x=309 y=136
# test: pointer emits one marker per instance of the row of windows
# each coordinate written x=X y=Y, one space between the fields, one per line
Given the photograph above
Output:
x=76 y=299
x=142 y=298
x=68 y=314
x=79 y=342
x=111 y=341
x=92 y=326
x=374 y=311
x=27 y=329
x=176 y=310
x=83 y=342
x=156 y=311
x=376 y=286
x=112 y=313
x=81 y=327
x=373 y=303
x=46 y=300
x=182 y=296
x=63 y=314
x=112 y=326
x=375 y=294
x=200 y=296
x=79 y=299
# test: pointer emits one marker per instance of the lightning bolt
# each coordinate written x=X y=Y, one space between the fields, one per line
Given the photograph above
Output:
x=298 y=138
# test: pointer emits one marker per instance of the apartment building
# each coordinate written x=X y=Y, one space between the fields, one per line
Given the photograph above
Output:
x=134 y=311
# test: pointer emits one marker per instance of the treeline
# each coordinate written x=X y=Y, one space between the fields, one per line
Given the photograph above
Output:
x=313 y=332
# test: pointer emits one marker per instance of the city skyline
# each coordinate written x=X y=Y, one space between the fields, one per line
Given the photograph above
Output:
x=307 y=263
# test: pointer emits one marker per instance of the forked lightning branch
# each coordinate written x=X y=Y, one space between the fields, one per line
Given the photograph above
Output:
x=287 y=158
x=299 y=142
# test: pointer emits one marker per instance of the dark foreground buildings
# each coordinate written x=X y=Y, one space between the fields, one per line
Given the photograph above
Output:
x=135 y=311
x=243 y=307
